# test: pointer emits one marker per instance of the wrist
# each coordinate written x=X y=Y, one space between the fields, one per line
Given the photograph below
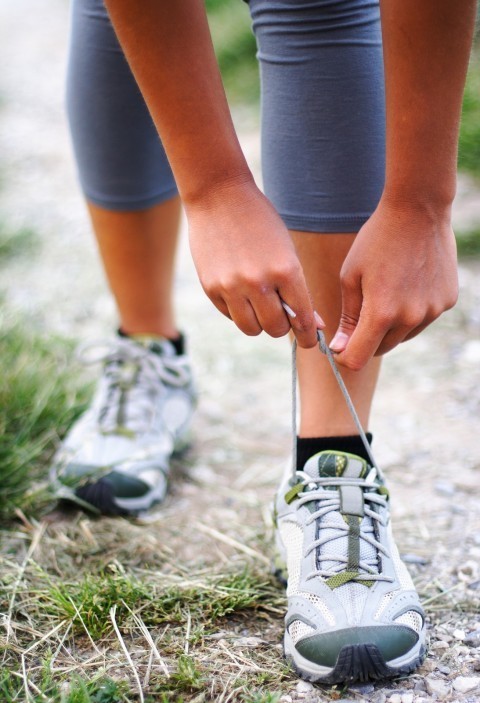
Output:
x=436 y=206
x=228 y=188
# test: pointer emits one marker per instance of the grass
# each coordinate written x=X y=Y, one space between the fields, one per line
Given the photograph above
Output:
x=235 y=48
x=469 y=144
x=163 y=626
x=15 y=243
x=468 y=243
x=38 y=401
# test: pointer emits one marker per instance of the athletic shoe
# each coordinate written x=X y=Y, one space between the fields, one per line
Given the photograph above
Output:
x=353 y=612
x=115 y=459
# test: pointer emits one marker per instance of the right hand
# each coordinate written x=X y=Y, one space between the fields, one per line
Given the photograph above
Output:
x=247 y=265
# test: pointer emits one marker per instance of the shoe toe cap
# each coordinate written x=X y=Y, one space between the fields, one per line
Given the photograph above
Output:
x=391 y=641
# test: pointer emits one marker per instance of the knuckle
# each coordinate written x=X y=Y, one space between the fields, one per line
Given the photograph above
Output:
x=347 y=281
x=250 y=330
x=354 y=363
x=306 y=342
x=278 y=330
x=348 y=321
x=451 y=300
x=287 y=272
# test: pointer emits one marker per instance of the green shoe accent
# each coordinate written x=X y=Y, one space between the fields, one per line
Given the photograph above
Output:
x=392 y=641
x=345 y=577
x=293 y=492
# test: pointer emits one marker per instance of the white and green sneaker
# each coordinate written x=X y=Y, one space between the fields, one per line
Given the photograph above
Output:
x=115 y=459
x=353 y=612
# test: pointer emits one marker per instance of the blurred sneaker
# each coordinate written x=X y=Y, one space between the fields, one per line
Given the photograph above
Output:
x=115 y=459
x=353 y=612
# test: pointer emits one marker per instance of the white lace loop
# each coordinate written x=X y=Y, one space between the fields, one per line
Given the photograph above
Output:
x=131 y=382
x=320 y=492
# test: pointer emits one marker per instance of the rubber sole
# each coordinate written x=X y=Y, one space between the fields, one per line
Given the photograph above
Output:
x=358 y=663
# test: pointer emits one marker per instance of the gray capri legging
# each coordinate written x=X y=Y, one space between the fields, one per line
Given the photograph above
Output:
x=323 y=113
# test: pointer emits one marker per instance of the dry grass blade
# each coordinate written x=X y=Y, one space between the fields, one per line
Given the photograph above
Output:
x=232 y=542
x=127 y=653
x=45 y=637
x=146 y=633
x=37 y=536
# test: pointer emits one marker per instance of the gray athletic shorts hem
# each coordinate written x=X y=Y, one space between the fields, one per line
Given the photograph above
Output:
x=343 y=224
x=130 y=205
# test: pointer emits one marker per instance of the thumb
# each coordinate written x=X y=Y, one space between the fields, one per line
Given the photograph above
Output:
x=351 y=307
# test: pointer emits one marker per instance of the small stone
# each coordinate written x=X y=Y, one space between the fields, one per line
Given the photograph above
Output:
x=395 y=698
x=464 y=684
x=414 y=559
x=444 y=670
x=304 y=687
x=444 y=637
x=407 y=697
x=473 y=639
x=437 y=687
x=445 y=488
x=362 y=688
x=459 y=634
x=419 y=686
x=286 y=699
x=248 y=642
x=439 y=645
x=476 y=665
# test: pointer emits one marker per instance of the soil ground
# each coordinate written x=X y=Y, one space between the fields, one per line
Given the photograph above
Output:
x=425 y=421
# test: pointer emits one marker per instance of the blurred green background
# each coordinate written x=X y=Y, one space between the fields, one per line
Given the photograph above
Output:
x=235 y=48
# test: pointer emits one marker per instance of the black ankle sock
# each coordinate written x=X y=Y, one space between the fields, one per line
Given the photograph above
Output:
x=178 y=342
x=308 y=446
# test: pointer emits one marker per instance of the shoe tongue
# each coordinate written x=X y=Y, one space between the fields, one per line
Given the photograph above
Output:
x=328 y=464
x=157 y=345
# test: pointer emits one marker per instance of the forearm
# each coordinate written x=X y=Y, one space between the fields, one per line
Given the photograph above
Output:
x=426 y=49
x=169 y=49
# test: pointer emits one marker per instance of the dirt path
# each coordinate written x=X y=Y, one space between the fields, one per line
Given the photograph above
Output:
x=426 y=418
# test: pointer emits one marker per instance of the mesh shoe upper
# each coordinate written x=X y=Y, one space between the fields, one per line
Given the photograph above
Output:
x=348 y=589
x=139 y=416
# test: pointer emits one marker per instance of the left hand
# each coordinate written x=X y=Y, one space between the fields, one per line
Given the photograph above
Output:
x=399 y=276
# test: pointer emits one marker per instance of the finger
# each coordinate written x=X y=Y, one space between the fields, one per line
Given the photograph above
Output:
x=221 y=305
x=362 y=345
x=243 y=315
x=271 y=315
x=305 y=323
x=352 y=301
x=393 y=338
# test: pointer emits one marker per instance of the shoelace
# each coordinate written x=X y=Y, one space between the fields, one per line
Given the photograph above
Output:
x=320 y=491
x=134 y=376
x=325 y=349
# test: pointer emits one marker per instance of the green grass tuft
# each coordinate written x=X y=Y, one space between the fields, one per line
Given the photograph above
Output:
x=235 y=48
x=38 y=402
x=469 y=144
x=87 y=603
x=16 y=243
x=78 y=690
x=468 y=243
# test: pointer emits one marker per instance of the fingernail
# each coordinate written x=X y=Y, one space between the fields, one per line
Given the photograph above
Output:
x=339 y=342
x=320 y=323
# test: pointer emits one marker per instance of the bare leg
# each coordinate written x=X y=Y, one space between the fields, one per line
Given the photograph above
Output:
x=323 y=409
x=138 y=252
